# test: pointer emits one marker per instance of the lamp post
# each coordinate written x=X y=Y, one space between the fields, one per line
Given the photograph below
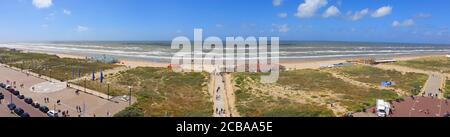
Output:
x=129 y=96
x=11 y=102
x=108 y=90
x=50 y=75
x=85 y=81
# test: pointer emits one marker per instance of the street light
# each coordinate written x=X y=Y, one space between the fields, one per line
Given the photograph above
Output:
x=129 y=96
x=85 y=81
x=11 y=102
x=108 y=89
x=50 y=75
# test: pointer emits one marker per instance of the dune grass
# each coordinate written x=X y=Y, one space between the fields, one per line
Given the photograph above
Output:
x=409 y=82
x=353 y=97
x=447 y=89
x=160 y=92
x=52 y=65
x=439 y=64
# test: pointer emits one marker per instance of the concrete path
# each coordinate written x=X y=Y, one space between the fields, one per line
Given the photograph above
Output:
x=434 y=84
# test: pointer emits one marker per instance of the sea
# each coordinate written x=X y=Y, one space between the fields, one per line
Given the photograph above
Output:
x=160 y=51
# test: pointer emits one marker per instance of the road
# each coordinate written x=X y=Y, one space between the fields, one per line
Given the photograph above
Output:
x=433 y=85
x=34 y=112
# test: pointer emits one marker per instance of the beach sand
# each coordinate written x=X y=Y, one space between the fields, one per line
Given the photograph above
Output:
x=125 y=62
x=289 y=64
x=318 y=63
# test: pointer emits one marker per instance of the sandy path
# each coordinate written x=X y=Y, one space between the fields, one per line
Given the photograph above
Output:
x=219 y=97
x=366 y=85
x=231 y=98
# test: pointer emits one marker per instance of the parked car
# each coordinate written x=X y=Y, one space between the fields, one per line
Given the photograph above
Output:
x=12 y=106
x=25 y=115
x=36 y=105
x=44 y=109
x=2 y=96
x=21 y=96
x=15 y=92
x=52 y=113
x=7 y=87
x=19 y=111
x=2 y=85
x=28 y=100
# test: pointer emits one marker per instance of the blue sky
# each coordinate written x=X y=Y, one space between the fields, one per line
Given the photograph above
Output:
x=412 y=21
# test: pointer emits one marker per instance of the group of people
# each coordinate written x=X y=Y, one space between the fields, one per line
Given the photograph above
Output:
x=46 y=100
x=220 y=111
x=14 y=84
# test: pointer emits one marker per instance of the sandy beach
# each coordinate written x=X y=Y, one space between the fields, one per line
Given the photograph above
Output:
x=126 y=62
x=317 y=63
x=289 y=64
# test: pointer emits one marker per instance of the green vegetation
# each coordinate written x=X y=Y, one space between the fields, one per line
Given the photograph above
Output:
x=160 y=92
x=51 y=65
x=440 y=64
x=409 y=82
x=353 y=97
x=447 y=89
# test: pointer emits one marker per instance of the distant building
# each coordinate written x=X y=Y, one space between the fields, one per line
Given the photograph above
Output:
x=385 y=61
x=371 y=61
x=105 y=59
x=343 y=64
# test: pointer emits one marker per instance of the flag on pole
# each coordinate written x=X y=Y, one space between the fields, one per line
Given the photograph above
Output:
x=93 y=75
x=73 y=72
x=79 y=72
x=101 y=76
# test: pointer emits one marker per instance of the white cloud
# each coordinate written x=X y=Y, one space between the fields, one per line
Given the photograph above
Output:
x=405 y=23
x=67 y=12
x=423 y=15
x=82 y=29
x=396 y=24
x=42 y=3
x=331 y=11
x=383 y=11
x=280 y=28
x=310 y=7
x=359 y=15
x=277 y=3
x=50 y=16
x=282 y=15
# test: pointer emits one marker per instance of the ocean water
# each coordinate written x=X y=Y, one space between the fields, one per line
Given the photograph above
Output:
x=160 y=51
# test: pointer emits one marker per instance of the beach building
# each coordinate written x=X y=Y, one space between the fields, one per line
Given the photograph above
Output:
x=105 y=59
x=371 y=61
x=380 y=61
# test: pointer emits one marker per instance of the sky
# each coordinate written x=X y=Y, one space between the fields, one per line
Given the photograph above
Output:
x=406 y=21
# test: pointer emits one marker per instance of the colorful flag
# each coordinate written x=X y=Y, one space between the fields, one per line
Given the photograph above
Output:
x=73 y=72
x=101 y=76
x=93 y=75
x=79 y=72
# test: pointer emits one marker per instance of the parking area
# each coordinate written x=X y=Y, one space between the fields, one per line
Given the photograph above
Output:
x=421 y=107
x=75 y=104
